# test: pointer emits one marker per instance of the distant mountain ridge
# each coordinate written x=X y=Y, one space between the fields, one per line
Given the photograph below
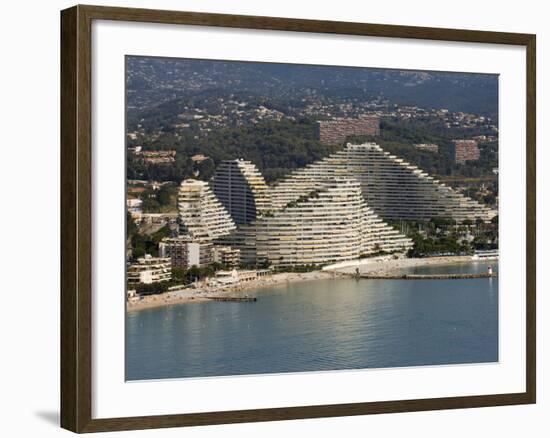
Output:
x=152 y=81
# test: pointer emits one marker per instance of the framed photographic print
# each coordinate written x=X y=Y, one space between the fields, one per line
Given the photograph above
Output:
x=268 y=218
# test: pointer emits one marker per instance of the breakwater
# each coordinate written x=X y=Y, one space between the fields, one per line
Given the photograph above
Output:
x=426 y=276
x=238 y=299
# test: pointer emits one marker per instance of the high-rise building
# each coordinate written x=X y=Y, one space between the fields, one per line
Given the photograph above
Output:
x=201 y=215
x=184 y=252
x=330 y=223
x=392 y=187
x=336 y=130
x=241 y=189
x=465 y=150
x=226 y=255
x=149 y=270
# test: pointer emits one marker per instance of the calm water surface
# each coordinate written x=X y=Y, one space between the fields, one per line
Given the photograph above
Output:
x=321 y=325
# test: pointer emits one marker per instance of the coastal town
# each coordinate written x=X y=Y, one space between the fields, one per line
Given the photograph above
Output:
x=289 y=218
x=361 y=206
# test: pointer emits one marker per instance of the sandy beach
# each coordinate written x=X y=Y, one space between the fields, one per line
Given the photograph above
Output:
x=387 y=266
x=202 y=291
x=373 y=266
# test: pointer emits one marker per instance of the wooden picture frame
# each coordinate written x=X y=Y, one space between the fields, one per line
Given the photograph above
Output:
x=76 y=218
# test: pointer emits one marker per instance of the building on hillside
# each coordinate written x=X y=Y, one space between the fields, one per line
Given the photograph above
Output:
x=199 y=158
x=328 y=224
x=184 y=252
x=465 y=150
x=226 y=256
x=156 y=218
x=156 y=157
x=337 y=130
x=430 y=147
x=133 y=205
x=241 y=189
x=392 y=187
x=201 y=215
x=149 y=270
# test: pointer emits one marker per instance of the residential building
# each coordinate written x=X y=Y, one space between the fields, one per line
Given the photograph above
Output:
x=328 y=224
x=241 y=189
x=156 y=157
x=184 y=252
x=430 y=147
x=337 y=130
x=226 y=255
x=149 y=270
x=392 y=187
x=465 y=150
x=201 y=215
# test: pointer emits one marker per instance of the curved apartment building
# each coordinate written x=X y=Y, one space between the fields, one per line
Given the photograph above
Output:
x=241 y=189
x=392 y=187
x=328 y=224
x=201 y=214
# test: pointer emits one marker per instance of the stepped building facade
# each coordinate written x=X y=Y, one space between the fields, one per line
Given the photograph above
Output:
x=201 y=215
x=242 y=190
x=330 y=223
x=392 y=187
x=465 y=150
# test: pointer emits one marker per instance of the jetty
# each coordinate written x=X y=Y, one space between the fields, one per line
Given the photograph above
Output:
x=426 y=276
x=237 y=299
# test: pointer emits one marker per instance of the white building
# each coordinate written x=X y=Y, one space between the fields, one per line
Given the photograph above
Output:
x=201 y=215
x=149 y=270
x=329 y=224
x=185 y=252
x=392 y=187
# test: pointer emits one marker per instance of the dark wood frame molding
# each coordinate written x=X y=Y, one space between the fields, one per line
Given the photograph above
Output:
x=76 y=177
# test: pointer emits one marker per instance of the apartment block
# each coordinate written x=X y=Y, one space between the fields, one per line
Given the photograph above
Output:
x=149 y=270
x=392 y=187
x=156 y=157
x=337 y=130
x=242 y=190
x=201 y=215
x=329 y=223
x=226 y=255
x=465 y=150
x=184 y=252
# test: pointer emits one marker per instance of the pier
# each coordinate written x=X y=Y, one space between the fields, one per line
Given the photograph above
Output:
x=237 y=299
x=426 y=276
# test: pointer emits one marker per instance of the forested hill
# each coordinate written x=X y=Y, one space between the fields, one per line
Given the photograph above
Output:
x=151 y=81
x=276 y=147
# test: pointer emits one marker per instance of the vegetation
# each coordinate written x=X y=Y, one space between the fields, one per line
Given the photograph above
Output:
x=399 y=137
x=447 y=237
x=163 y=200
x=276 y=147
x=150 y=289
x=148 y=244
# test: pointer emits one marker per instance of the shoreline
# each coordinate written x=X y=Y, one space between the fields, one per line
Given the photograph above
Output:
x=376 y=266
x=200 y=294
x=385 y=266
